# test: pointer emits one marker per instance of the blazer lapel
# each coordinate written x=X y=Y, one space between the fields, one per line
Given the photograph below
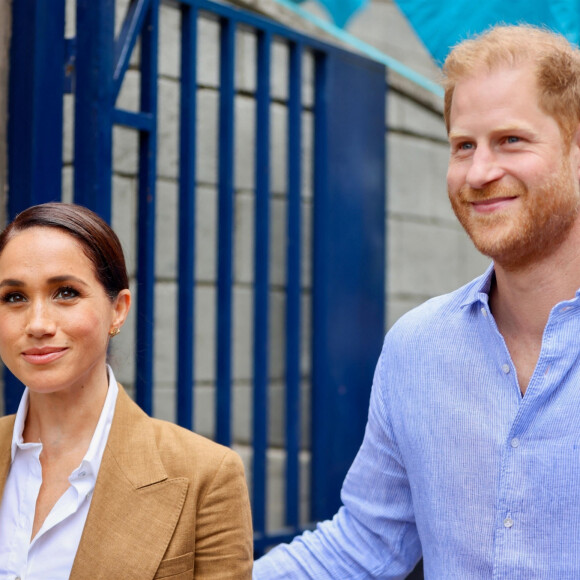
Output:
x=135 y=507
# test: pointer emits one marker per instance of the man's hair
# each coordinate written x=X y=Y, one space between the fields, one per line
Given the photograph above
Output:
x=555 y=60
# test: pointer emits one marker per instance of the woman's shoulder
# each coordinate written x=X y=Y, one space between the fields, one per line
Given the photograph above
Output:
x=181 y=451
x=179 y=445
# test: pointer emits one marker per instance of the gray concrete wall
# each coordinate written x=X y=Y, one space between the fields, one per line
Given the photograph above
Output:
x=427 y=251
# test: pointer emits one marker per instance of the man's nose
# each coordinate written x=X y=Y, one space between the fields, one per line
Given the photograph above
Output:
x=40 y=322
x=484 y=168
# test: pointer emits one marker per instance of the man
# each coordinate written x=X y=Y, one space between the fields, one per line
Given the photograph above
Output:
x=471 y=456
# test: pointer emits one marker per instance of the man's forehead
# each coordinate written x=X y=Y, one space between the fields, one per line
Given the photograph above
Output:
x=491 y=87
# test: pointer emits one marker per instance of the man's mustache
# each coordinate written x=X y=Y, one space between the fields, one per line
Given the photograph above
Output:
x=492 y=191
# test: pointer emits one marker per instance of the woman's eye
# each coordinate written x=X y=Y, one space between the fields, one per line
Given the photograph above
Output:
x=66 y=293
x=13 y=298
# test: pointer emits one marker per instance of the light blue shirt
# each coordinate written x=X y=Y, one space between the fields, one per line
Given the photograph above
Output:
x=456 y=465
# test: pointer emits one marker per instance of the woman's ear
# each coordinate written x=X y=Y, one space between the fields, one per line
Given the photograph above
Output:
x=121 y=306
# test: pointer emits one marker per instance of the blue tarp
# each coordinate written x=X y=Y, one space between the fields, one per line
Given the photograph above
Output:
x=442 y=24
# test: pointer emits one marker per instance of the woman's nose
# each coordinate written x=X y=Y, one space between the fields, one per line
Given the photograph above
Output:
x=40 y=322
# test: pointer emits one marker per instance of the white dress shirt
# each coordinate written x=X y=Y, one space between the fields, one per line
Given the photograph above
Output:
x=51 y=553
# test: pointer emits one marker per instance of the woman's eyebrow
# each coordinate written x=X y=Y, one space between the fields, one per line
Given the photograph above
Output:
x=52 y=280
x=11 y=282
x=65 y=278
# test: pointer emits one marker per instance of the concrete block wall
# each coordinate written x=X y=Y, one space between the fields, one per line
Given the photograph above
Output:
x=427 y=251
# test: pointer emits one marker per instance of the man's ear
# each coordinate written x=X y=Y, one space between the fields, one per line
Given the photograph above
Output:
x=575 y=147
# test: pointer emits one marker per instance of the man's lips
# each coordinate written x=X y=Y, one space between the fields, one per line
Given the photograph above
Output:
x=491 y=205
x=44 y=355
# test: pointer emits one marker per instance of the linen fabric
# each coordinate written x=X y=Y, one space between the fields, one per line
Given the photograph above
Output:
x=456 y=466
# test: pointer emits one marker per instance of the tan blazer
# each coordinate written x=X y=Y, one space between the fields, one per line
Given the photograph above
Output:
x=167 y=504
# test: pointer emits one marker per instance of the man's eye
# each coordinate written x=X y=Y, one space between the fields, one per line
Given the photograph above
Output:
x=465 y=146
x=66 y=293
x=512 y=139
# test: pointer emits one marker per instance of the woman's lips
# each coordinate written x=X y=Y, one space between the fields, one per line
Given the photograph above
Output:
x=42 y=356
x=491 y=205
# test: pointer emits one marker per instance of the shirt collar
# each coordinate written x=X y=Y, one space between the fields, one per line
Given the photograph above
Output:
x=478 y=290
x=92 y=459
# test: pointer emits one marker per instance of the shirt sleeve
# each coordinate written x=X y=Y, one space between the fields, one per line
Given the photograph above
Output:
x=373 y=535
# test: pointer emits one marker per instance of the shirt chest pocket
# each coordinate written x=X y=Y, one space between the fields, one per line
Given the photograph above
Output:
x=178 y=568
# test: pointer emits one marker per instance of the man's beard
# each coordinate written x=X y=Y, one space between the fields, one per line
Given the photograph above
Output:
x=518 y=236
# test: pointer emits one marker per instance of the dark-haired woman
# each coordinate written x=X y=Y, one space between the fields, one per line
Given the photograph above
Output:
x=91 y=487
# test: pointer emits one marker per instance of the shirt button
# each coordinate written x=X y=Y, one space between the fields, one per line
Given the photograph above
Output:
x=515 y=442
x=484 y=311
x=505 y=368
x=508 y=522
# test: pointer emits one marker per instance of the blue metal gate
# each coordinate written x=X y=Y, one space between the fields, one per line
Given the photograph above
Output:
x=348 y=234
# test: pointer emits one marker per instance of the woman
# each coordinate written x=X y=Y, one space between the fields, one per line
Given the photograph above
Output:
x=92 y=487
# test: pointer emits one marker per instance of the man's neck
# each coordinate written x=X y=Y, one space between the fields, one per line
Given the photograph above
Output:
x=521 y=301
x=523 y=298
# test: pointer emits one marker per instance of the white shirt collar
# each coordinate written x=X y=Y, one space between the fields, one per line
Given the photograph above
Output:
x=92 y=459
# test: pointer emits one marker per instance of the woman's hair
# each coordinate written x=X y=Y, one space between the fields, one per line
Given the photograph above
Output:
x=98 y=241
x=555 y=60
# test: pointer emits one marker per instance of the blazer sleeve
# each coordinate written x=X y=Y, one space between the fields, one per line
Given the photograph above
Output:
x=224 y=537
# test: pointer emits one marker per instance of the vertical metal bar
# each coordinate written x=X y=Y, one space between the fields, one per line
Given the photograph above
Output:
x=293 y=284
x=261 y=279
x=225 y=231
x=186 y=298
x=320 y=437
x=94 y=105
x=37 y=55
x=146 y=212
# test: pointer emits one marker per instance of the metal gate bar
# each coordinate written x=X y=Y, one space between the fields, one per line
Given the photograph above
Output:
x=146 y=213
x=225 y=230
x=261 y=280
x=187 y=200
x=293 y=286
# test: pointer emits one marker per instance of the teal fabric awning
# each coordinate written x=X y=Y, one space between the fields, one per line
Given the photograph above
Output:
x=442 y=24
